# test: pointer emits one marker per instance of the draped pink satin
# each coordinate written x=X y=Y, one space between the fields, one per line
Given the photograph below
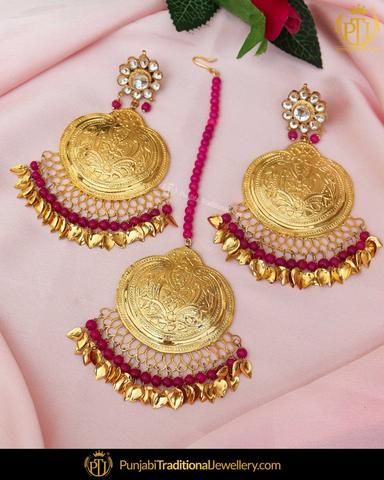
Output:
x=317 y=354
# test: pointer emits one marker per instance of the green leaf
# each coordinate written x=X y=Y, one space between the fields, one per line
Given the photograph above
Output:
x=262 y=48
x=305 y=44
x=190 y=14
x=254 y=37
x=245 y=10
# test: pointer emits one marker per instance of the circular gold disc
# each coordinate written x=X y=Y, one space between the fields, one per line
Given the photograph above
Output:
x=298 y=192
x=174 y=303
x=113 y=156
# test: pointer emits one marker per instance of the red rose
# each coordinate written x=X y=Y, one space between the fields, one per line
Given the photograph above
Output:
x=278 y=14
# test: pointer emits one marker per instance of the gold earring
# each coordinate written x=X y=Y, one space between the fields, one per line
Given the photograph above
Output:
x=294 y=225
x=102 y=188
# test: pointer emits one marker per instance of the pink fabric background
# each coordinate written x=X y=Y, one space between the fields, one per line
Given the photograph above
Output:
x=317 y=354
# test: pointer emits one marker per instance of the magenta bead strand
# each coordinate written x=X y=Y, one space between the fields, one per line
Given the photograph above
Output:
x=201 y=158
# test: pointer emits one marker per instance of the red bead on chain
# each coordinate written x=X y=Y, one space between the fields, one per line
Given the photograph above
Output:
x=201 y=157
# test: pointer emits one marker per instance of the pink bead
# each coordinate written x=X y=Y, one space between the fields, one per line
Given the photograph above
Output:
x=116 y=104
x=191 y=203
x=83 y=222
x=314 y=138
x=291 y=263
x=260 y=253
x=108 y=354
x=216 y=80
x=178 y=381
x=230 y=362
x=242 y=353
x=190 y=379
x=104 y=225
x=125 y=368
x=146 y=107
x=188 y=218
x=118 y=360
x=40 y=182
x=232 y=227
x=156 y=381
x=35 y=175
x=239 y=234
x=207 y=135
x=351 y=249
x=270 y=258
x=281 y=262
x=244 y=244
x=302 y=264
x=65 y=213
x=51 y=198
x=190 y=210
x=43 y=191
x=201 y=377
x=187 y=234
x=167 y=209
x=102 y=344
x=211 y=374
x=324 y=263
x=312 y=266
x=146 y=377
x=146 y=217
x=91 y=324
x=115 y=226
x=154 y=212
x=34 y=165
x=360 y=245
x=343 y=255
x=57 y=207
x=364 y=235
x=135 y=373
x=73 y=217
x=93 y=224
x=253 y=246
x=292 y=135
x=168 y=382
x=226 y=217
x=334 y=261
x=124 y=226
x=134 y=221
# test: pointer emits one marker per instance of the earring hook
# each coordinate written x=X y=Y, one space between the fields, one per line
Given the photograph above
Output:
x=199 y=59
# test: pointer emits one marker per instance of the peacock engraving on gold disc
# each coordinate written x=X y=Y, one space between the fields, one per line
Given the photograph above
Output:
x=298 y=192
x=175 y=303
x=113 y=156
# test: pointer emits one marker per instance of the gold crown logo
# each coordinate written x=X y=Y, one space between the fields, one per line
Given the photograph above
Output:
x=359 y=10
x=99 y=454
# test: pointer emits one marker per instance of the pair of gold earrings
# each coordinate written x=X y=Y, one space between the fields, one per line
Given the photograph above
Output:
x=166 y=342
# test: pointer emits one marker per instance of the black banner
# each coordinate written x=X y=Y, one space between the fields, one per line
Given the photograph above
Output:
x=191 y=464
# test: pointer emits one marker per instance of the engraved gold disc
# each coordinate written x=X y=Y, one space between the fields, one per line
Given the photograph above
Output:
x=174 y=303
x=298 y=192
x=113 y=156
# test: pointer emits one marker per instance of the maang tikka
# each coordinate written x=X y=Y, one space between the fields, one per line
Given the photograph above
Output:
x=294 y=225
x=102 y=188
x=166 y=342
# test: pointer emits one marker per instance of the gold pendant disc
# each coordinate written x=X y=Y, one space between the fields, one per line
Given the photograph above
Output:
x=298 y=192
x=175 y=303
x=113 y=156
